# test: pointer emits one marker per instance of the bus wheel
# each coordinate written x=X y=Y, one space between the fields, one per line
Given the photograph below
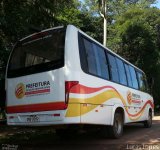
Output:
x=148 y=123
x=116 y=130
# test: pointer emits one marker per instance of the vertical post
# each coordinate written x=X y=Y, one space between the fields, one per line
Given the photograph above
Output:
x=105 y=23
x=103 y=13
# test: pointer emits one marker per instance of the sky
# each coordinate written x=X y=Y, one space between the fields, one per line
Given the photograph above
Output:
x=157 y=4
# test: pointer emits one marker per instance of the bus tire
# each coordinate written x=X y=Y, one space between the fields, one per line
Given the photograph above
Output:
x=116 y=130
x=148 y=123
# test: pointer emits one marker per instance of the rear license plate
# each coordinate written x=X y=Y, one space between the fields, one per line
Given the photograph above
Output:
x=33 y=118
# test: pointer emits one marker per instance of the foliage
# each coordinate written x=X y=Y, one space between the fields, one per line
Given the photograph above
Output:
x=134 y=33
x=136 y=39
x=17 y=18
x=133 y=27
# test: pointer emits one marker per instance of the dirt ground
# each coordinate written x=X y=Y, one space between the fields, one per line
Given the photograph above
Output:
x=135 y=137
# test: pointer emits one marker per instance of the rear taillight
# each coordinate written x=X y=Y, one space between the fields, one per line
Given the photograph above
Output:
x=68 y=86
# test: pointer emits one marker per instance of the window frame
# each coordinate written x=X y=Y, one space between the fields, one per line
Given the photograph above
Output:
x=116 y=68
x=84 y=55
x=126 y=64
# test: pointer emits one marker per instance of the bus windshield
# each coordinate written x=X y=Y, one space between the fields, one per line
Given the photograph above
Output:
x=41 y=52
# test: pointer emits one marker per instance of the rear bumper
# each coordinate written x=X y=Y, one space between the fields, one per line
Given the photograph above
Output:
x=76 y=113
x=39 y=118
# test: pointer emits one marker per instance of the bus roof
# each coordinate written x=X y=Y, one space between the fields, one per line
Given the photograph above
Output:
x=59 y=27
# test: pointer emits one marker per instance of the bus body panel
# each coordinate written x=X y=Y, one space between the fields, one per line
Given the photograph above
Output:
x=107 y=97
x=102 y=113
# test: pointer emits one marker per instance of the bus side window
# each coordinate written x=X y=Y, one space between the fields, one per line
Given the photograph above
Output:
x=141 y=81
x=91 y=58
x=121 y=71
x=101 y=61
x=133 y=77
x=83 y=55
x=128 y=75
x=113 y=68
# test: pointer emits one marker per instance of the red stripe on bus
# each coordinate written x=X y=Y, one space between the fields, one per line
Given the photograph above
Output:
x=36 y=107
x=81 y=89
x=38 y=92
x=134 y=115
x=136 y=101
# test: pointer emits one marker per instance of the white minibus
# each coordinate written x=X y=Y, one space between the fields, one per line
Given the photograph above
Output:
x=63 y=77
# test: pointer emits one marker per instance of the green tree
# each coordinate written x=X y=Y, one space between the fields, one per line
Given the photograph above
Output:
x=17 y=17
x=135 y=37
x=109 y=9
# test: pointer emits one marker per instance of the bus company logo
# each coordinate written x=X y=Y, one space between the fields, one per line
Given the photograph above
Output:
x=133 y=98
x=32 y=89
x=129 y=97
x=20 y=90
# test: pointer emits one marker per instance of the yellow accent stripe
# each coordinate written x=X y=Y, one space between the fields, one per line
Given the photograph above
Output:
x=95 y=100
x=74 y=109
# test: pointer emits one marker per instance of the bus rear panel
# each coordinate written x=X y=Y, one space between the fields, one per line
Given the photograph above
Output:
x=36 y=79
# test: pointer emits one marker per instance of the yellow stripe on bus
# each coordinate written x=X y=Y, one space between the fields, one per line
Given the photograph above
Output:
x=76 y=105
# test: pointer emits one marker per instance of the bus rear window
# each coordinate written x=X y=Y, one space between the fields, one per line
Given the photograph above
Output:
x=39 y=53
